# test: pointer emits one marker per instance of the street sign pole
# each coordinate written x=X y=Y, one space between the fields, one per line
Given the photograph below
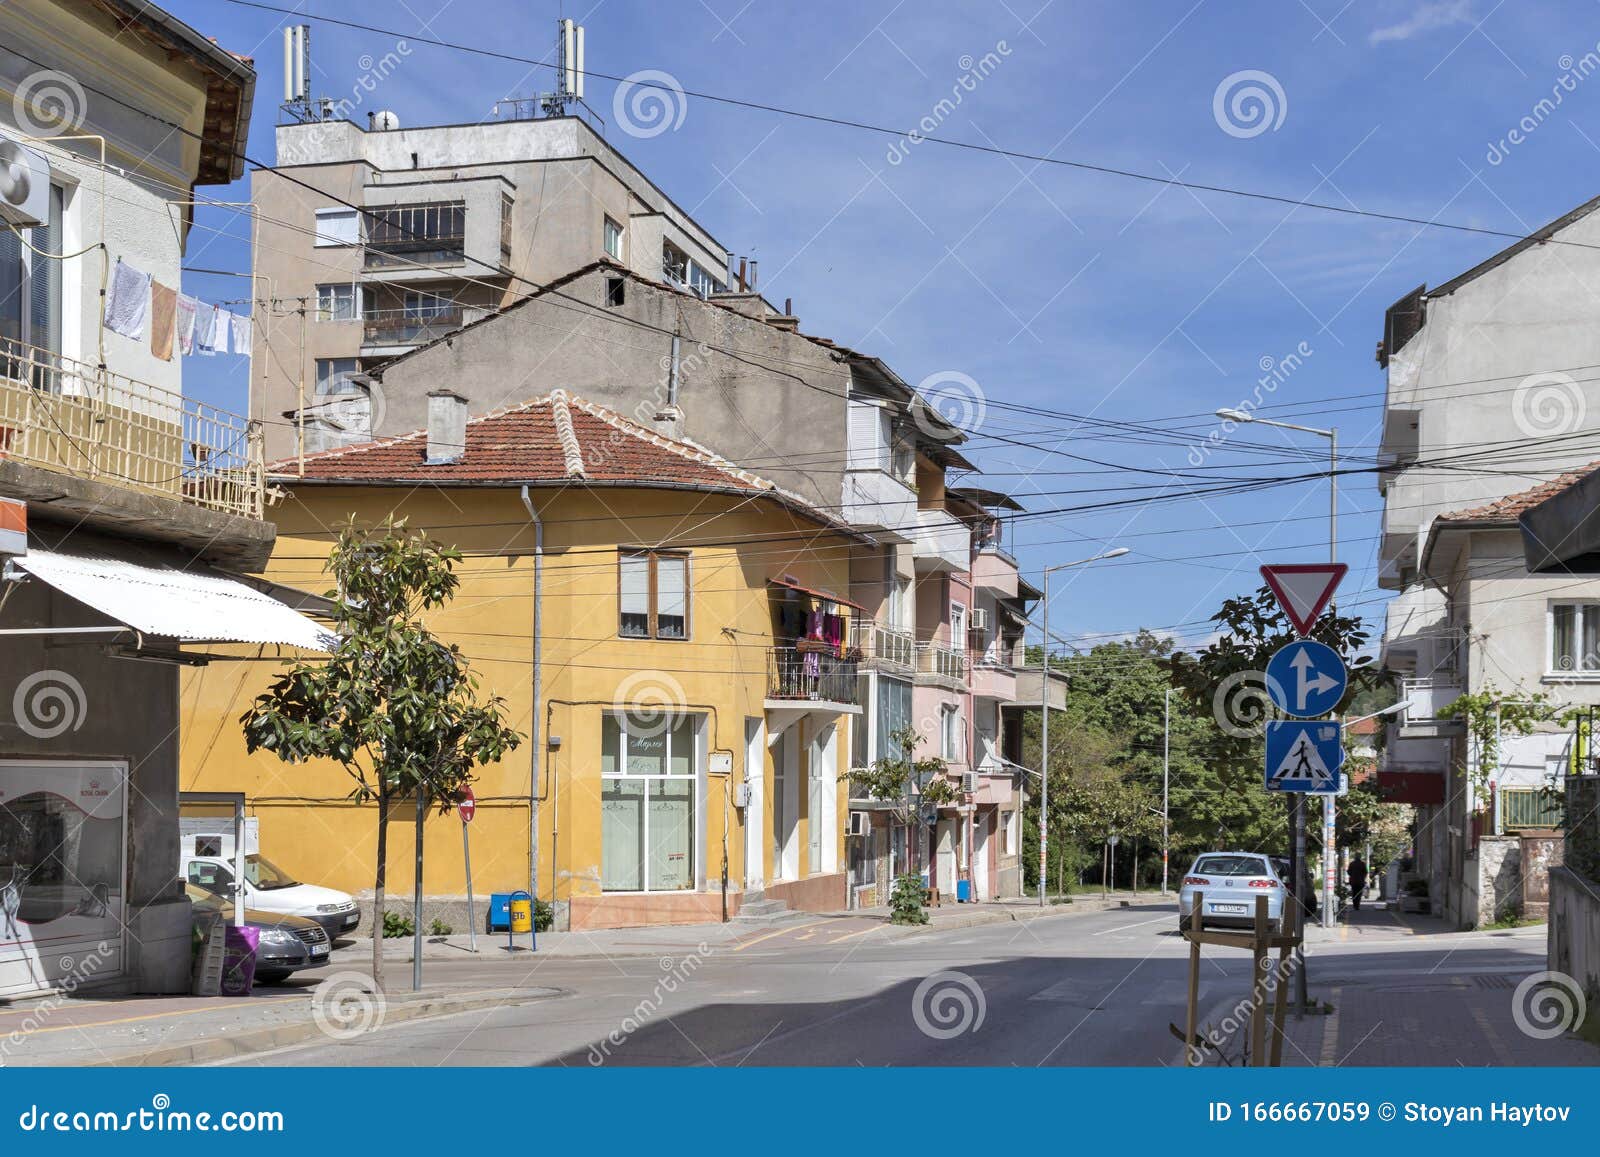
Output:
x=1330 y=856
x=468 y=807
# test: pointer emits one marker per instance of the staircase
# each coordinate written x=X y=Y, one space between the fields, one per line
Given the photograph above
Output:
x=757 y=909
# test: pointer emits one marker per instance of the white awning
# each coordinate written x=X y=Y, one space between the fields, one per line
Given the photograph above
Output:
x=173 y=603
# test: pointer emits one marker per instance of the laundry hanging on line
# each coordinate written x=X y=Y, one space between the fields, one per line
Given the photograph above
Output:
x=127 y=301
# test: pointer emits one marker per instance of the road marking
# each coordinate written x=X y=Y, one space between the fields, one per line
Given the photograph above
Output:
x=1139 y=924
x=857 y=932
x=740 y=947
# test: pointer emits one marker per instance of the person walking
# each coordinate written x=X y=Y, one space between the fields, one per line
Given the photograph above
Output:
x=1356 y=874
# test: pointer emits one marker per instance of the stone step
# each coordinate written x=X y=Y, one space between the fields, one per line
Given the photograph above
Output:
x=762 y=910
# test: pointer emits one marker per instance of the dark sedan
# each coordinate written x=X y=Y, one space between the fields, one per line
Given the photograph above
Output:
x=288 y=943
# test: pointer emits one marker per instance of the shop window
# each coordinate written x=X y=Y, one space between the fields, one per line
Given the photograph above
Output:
x=648 y=774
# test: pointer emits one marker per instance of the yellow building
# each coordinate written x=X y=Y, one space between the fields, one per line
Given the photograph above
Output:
x=688 y=724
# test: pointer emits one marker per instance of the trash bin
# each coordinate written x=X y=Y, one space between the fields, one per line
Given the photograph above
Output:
x=239 y=959
x=521 y=913
x=963 y=891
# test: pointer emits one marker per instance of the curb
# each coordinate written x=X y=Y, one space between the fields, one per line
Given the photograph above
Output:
x=232 y=1045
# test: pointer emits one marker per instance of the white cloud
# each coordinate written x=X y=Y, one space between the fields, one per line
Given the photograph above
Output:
x=1427 y=17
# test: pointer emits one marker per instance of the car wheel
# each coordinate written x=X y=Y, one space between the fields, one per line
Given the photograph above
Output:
x=1183 y=923
x=272 y=976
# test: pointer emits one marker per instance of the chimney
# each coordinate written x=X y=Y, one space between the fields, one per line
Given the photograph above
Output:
x=447 y=426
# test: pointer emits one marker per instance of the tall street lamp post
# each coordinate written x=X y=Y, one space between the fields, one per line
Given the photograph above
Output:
x=1044 y=700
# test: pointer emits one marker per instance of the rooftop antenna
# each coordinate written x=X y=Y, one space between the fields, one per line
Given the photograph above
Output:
x=297 y=72
x=569 y=69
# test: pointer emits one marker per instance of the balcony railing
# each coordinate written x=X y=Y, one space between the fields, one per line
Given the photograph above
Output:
x=1428 y=696
x=940 y=662
x=883 y=645
x=811 y=675
x=76 y=419
x=1525 y=808
x=410 y=327
x=399 y=254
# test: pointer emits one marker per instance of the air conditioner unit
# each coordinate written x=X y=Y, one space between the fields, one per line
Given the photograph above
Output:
x=980 y=619
x=860 y=824
x=24 y=184
x=969 y=782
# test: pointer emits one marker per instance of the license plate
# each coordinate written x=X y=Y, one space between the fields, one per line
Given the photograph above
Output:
x=352 y=921
x=319 y=950
x=1240 y=908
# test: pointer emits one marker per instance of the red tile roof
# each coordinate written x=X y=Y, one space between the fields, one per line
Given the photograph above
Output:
x=1508 y=508
x=556 y=438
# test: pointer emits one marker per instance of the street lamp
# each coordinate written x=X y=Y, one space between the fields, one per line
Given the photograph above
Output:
x=1044 y=702
x=1242 y=416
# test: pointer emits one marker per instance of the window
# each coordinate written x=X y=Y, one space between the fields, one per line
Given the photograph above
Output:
x=338 y=302
x=338 y=227
x=422 y=307
x=1575 y=637
x=334 y=374
x=505 y=227
x=1008 y=833
x=616 y=291
x=958 y=626
x=648 y=775
x=653 y=595
x=611 y=236
x=406 y=234
x=701 y=281
x=674 y=264
x=30 y=284
x=950 y=734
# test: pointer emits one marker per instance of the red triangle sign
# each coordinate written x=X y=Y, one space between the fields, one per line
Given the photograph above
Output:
x=1304 y=589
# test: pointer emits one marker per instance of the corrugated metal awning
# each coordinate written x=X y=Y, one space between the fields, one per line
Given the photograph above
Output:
x=829 y=596
x=180 y=604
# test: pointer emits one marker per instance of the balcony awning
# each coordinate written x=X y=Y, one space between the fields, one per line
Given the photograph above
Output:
x=187 y=605
x=817 y=594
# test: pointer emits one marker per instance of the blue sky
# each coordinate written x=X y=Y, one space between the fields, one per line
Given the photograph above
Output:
x=1050 y=287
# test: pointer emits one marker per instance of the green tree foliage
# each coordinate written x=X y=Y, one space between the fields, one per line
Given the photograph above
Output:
x=906 y=783
x=395 y=707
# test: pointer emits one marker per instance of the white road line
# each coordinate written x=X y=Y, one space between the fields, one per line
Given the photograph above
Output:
x=1167 y=919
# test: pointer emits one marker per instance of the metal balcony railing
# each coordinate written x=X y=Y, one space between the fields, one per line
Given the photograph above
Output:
x=1428 y=696
x=413 y=327
x=77 y=419
x=941 y=662
x=811 y=675
x=883 y=645
x=1523 y=808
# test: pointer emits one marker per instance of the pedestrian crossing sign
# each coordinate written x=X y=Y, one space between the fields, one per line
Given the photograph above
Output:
x=1304 y=755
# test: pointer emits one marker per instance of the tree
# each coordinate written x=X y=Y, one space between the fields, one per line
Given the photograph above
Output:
x=907 y=784
x=395 y=707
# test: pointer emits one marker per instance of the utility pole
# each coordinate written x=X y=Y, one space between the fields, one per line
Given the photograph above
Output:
x=1044 y=703
x=1166 y=780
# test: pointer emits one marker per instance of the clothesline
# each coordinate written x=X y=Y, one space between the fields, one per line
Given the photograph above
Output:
x=136 y=304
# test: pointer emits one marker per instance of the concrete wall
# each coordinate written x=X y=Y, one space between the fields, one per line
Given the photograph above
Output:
x=1573 y=934
x=765 y=419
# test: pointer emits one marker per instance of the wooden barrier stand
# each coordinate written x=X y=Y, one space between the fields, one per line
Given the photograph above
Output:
x=1260 y=940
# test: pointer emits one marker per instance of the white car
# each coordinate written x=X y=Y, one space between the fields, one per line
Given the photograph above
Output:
x=1230 y=882
x=267 y=887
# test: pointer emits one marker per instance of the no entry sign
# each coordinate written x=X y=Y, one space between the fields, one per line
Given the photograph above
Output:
x=467 y=805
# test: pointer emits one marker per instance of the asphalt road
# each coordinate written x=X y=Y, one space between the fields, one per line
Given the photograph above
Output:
x=1090 y=989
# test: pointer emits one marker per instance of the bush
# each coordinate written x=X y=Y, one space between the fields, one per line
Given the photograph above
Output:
x=439 y=928
x=544 y=916
x=397 y=925
x=907 y=901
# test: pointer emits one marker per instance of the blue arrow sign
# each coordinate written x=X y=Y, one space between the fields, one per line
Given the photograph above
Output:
x=1303 y=755
x=1306 y=678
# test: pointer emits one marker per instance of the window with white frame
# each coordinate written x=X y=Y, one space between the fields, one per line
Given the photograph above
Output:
x=950 y=733
x=30 y=283
x=334 y=375
x=338 y=227
x=958 y=626
x=1008 y=833
x=1574 y=637
x=649 y=769
x=338 y=302
x=611 y=237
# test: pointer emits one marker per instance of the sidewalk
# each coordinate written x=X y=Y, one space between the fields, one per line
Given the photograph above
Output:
x=1450 y=1014
x=186 y=1030
x=652 y=941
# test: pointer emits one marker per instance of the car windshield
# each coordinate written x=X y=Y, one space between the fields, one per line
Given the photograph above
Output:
x=1231 y=866
x=265 y=875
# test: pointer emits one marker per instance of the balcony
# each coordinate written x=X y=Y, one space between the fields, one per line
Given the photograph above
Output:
x=1428 y=697
x=942 y=665
x=72 y=418
x=812 y=679
x=941 y=542
x=993 y=678
x=884 y=648
x=399 y=329
x=877 y=500
x=996 y=570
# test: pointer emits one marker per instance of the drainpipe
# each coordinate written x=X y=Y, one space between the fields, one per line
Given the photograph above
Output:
x=535 y=752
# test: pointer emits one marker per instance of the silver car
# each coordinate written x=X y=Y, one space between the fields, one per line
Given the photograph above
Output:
x=1230 y=882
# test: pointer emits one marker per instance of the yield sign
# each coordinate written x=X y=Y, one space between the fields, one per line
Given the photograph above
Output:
x=1303 y=589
